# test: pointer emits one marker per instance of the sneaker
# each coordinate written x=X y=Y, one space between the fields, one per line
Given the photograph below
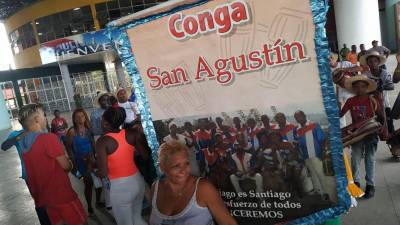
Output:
x=369 y=192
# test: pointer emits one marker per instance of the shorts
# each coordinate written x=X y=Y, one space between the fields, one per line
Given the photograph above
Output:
x=71 y=213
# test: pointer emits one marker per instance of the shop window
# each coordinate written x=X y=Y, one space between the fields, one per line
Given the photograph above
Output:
x=111 y=10
x=64 y=24
x=22 y=38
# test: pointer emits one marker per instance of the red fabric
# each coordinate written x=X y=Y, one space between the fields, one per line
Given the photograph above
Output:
x=48 y=182
x=361 y=108
x=303 y=130
x=289 y=127
x=71 y=213
x=120 y=162
x=202 y=135
x=252 y=133
x=211 y=158
x=58 y=122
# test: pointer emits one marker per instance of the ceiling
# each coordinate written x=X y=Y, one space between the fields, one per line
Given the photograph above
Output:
x=9 y=7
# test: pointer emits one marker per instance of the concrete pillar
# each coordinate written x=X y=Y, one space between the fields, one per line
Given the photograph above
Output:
x=68 y=83
x=357 y=22
x=122 y=82
x=4 y=116
x=390 y=25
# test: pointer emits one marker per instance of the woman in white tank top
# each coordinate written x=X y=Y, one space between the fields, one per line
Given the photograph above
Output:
x=182 y=199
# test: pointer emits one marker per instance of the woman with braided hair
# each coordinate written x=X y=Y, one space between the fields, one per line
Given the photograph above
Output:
x=115 y=157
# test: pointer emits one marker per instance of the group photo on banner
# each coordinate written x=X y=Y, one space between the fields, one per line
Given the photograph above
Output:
x=239 y=109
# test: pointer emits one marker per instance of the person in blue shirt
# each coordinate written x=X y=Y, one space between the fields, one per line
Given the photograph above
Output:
x=17 y=135
x=312 y=142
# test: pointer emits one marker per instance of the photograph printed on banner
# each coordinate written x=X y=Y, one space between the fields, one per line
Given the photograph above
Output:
x=265 y=163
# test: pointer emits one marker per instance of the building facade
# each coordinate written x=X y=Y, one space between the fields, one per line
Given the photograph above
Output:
x=62 y=56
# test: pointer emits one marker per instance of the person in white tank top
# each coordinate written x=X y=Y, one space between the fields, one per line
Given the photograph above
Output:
x=182 y=199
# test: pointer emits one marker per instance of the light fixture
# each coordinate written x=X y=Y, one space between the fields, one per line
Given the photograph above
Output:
x=37 y=23
x=40 y=34
x=77 y=9
x=74 y=31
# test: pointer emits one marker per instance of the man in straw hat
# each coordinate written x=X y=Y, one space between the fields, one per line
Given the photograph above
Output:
x=384 y=81
x=363 y=106
x=102 y=101
x=338 y=77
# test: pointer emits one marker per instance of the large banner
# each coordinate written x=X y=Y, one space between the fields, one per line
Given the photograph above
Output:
x=238 y=83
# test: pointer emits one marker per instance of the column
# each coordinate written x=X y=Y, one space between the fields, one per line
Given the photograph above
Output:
x=390 y=24
x=4 y=116
x=120 y=73
x=357 y=22
x=68 y=84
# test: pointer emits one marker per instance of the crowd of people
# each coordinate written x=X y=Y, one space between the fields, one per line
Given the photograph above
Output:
x=362 y=87
x=259 y=156
x=108 y=151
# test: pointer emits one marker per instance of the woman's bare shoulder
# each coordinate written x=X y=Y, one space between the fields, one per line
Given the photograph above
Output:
x=205 y=187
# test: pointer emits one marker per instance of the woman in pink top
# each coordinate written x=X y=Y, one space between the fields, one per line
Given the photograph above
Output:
x=115 y=158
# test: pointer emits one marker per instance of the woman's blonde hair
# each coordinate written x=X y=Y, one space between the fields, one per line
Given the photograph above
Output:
x=168 y=149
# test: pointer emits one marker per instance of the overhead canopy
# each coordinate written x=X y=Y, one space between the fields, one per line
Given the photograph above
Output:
x=8 y=8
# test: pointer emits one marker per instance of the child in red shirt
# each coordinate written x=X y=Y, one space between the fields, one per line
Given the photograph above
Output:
x=363 y=106
x=59 y=125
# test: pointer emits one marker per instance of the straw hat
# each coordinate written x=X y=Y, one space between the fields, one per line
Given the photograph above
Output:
x=371 y=83
x=338 y=76
x=363 y=59
x=96 y=100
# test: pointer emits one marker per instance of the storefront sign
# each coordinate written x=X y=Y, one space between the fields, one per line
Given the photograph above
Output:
x=75 y=46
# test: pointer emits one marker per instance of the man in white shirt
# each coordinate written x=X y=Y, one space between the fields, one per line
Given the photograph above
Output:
x=244 y=163
x=130 y=108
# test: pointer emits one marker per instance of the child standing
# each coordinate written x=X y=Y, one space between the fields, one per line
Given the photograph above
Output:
x=363 y=106
x=59 y=125
x=130 y=108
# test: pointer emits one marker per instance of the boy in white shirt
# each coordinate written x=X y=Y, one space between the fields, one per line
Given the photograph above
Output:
x=130 y=108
